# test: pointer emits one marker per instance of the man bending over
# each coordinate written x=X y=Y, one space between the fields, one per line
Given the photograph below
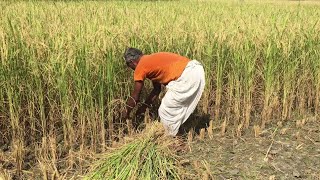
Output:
x=183 y=78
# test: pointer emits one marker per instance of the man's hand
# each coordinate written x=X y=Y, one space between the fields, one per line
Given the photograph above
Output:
x=124 y=114
x=150 y=99
x=141 y=110
x=133 y=99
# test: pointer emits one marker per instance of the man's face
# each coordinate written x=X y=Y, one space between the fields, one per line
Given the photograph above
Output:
x=131 y=64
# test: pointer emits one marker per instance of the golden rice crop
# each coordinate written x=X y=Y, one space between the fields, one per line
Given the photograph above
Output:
x=61 y=68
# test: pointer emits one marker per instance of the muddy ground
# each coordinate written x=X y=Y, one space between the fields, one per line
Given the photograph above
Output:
x=287 y=150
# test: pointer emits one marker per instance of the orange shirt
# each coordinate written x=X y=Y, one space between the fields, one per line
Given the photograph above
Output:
x=161 y=67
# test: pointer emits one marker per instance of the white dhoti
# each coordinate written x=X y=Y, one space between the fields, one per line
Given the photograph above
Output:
x=182 y=97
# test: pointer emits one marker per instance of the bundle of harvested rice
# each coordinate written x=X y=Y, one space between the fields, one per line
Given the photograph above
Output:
x=152 y=155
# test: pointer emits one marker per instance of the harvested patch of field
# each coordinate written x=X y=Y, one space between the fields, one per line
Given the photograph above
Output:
x=287 y=150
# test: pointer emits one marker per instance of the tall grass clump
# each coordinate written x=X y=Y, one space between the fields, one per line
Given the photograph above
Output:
x=150 y=156
x=63 y=80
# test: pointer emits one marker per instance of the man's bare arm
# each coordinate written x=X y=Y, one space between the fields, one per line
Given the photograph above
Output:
x=153 y=94
x=150 y=99
x=134 y=98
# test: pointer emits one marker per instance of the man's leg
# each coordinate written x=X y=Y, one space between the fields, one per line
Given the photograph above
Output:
x=182 y=98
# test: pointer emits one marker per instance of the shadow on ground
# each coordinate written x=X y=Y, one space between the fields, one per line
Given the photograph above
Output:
x=195 y=122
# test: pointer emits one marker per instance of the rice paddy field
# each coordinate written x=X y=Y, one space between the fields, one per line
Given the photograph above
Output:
x=63 y=82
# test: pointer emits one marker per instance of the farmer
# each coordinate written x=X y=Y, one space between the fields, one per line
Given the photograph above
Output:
x=183 y=78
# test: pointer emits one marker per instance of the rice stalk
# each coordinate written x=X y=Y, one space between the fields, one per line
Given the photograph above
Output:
x=149 y=156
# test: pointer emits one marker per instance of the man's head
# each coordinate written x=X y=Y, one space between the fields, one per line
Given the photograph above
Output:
x=132 y=57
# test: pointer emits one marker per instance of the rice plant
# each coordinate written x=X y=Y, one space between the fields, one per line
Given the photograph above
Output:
x=147 y=157
x=62 y=75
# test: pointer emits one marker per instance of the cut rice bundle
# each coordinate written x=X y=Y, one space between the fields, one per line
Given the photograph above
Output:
x=150 y=156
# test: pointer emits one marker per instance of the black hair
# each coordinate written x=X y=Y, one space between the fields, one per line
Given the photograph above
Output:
x=132 y=54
